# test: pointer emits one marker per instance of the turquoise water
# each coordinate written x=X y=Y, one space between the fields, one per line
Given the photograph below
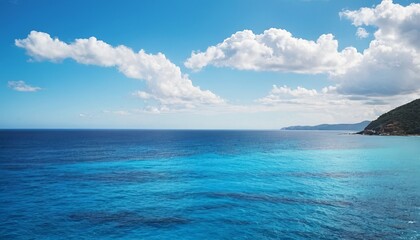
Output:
x=132 y=184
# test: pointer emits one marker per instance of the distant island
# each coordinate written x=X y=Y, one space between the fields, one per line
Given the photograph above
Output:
x=345 y=127
x=401 y=121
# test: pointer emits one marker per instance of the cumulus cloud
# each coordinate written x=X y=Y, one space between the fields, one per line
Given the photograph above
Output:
x=362 y=33
x=395 y=23
x=166 y=84
x=21 y=86
x=385 y=74
x=391 y=64
x=276 y=50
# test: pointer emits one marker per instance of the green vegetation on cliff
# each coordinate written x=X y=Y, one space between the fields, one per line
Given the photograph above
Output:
x=403 y=120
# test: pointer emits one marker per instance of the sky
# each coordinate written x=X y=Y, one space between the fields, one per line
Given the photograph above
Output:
x=161 y=64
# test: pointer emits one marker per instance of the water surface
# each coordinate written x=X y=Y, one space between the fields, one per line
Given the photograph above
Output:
x=138 y=184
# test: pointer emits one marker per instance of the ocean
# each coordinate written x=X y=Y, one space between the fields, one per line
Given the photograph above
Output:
x=176 y=184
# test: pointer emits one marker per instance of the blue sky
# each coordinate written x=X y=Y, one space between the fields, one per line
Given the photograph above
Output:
x=43 y=85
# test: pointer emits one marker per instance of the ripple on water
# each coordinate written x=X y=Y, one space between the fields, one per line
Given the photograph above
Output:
x=277 y=199
x=126 y=219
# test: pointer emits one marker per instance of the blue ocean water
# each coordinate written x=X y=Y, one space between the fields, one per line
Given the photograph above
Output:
x=137 y=184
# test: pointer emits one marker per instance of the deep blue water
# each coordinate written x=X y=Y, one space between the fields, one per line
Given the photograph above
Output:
x=136 y=184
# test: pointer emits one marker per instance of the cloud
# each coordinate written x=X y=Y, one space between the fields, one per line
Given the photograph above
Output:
x=391 y=64
x=21 y=86
x=329 y=98
x=165 y=82
x=373 y=81
x=301 y=95
x=276 y=50
x=327 y=105
x=395 y=23
x=362 y=33
x=286 y=94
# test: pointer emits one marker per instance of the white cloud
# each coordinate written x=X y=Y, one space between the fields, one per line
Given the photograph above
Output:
x=365 y=84
x=21 y=86
x=287 y=94
x=282 y=106
x=300 y=95
x=327 y=105
x=166 y=84
x=395 y=23
x=330 y=98
x=391 y=64
x=362 y=33
x=276 y=50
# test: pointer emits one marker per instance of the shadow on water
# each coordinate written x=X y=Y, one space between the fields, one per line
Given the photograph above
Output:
x=119 y=176
x=126 y=219
x=277 y=199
